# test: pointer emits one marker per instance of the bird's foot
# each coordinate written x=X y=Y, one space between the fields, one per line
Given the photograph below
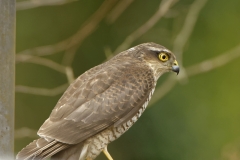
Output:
x=105 y=151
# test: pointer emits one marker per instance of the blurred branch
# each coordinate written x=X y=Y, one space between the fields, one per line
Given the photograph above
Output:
x=70 y=45
x=213 y=63
x=37 y=3
x=48 y=63
x=202 y=67
x=70 y=74
x=46 y=50
x=118 y=10
x=165 y=5
x=41 y=61
x=41 y=91
x=108 y=53
x=185 y=33
x=188 y=27
x=25 y=132
x=178 y=46
x=89 y=26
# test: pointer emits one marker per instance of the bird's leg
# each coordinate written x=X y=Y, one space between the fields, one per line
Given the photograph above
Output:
x=105 y=151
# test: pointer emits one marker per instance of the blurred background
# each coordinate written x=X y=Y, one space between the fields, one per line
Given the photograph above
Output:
x=192 y=116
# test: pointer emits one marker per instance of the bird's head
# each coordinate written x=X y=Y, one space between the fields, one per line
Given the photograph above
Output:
x=159 y=58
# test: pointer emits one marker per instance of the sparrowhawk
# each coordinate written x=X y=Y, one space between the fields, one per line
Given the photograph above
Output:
x=101 y=104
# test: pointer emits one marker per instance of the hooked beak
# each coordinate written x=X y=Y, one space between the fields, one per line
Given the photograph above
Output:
x=175 y=67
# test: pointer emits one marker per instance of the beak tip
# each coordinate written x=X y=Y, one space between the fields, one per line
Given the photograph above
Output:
x=176 y=69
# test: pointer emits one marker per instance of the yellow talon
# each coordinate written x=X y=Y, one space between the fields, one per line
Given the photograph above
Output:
x=105 y=151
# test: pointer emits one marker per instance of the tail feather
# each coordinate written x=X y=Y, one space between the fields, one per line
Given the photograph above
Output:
x=53 y=150
x=71 y=153
x=41 y=149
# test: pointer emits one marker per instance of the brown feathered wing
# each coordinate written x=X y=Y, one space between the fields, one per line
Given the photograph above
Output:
x=98 y=99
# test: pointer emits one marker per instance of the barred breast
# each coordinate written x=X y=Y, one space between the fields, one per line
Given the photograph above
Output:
x=97 y=143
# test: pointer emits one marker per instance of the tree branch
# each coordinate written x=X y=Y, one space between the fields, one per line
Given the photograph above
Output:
x=48 y=49
x=185 y=33
x=41 y=91
x=88 y=27
x=214 y=63
x=165 y=5
x=188 y=26
x=37 y=3
x=178 y=46
x=41 y=61
x=118 y=10
x=86 y=30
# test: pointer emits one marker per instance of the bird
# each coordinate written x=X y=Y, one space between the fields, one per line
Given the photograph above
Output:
x=101 y=105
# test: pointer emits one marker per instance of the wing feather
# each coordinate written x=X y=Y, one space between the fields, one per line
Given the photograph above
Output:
x=97 y=100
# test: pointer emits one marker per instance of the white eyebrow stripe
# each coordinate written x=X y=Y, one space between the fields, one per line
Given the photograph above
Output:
x=159 y=50
x=166 y=50
x=154 y=49
x=132 y=49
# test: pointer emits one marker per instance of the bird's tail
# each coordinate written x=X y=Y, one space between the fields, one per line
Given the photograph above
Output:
x=77 y=151
x=41 y=149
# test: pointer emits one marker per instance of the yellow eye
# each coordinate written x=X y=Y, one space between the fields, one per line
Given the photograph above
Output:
x=163 y=57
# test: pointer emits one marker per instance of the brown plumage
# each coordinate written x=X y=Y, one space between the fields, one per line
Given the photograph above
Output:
x=101 y=104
